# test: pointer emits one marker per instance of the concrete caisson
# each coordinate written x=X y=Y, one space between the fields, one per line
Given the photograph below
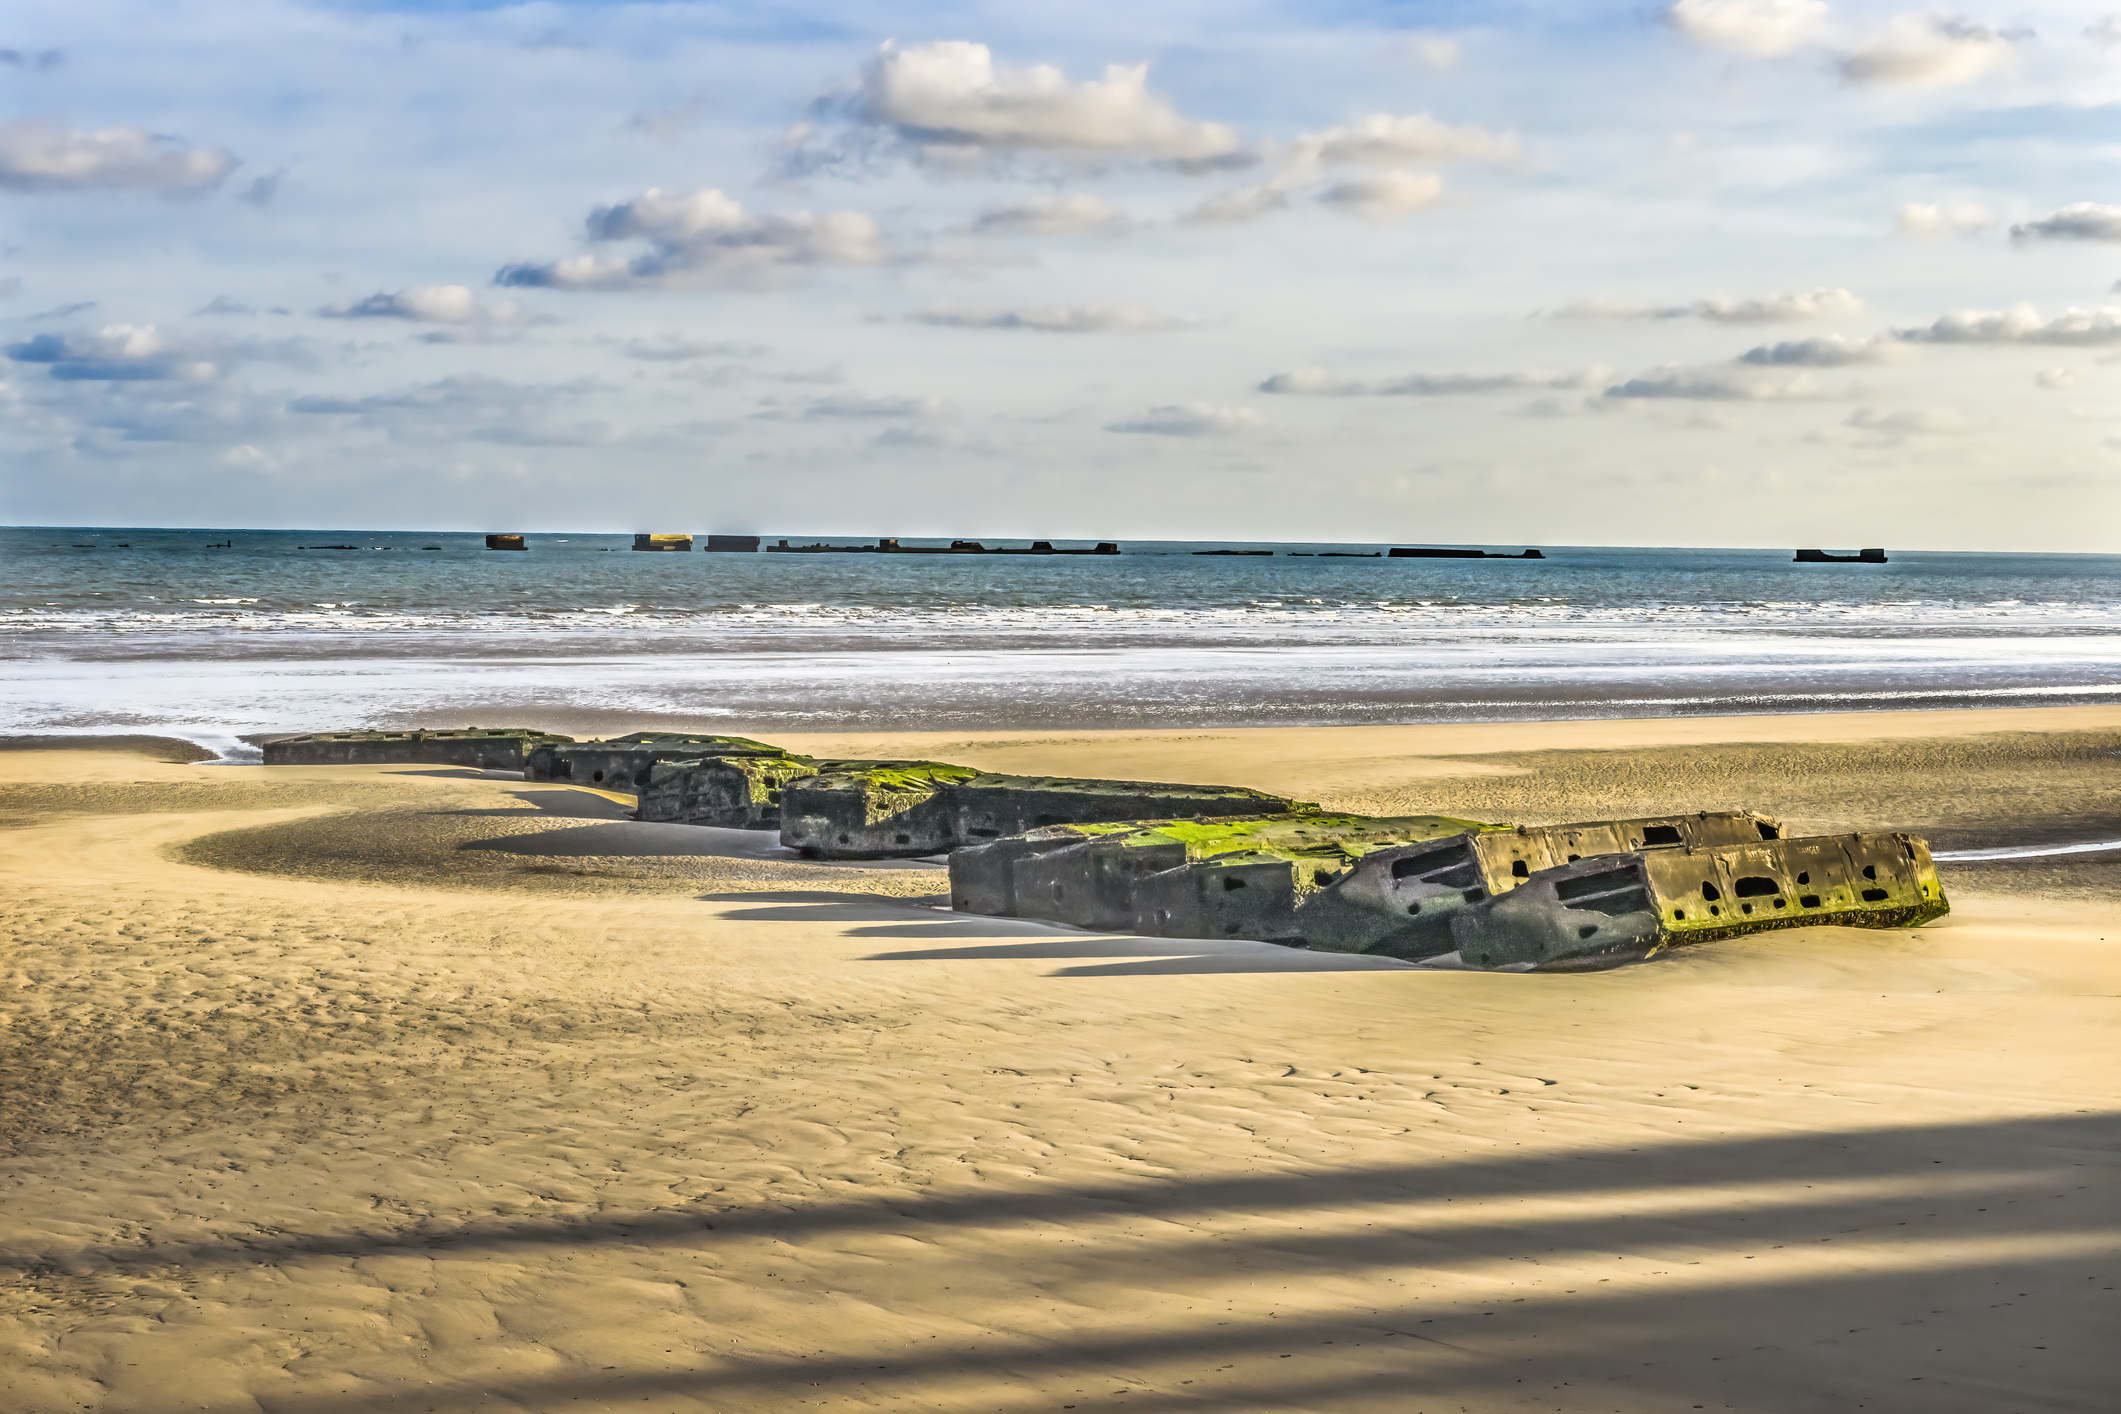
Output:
x=485 y=748
x=622 y=763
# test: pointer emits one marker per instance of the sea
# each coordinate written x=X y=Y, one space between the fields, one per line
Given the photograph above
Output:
x=224 y=636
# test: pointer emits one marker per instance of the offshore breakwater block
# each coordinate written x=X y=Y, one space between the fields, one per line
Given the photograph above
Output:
x=873 y=810
x=1257 y=888
x=1618 y=908
x=486 y=748
x=1399 y=901
x=733 y=792
x=992 y=806
x=622 y=763
x=1094 y=883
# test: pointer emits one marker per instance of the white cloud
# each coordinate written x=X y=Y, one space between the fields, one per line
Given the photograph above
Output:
x=1051 y=318
x=672 y=348
x=1313 y=382
x=1916 y=219
x=1439 y=51
x=1761 y=28
x=1192 y=420
x=2105 y=31
x=1388 y=140
x=44 y=156
x=115 y=353
x=1828 y=351
x=1722 y=383
x=1928 y=422
x=704 y=238
x=1722 y=309
x=951 y=101
x=428 y=304
x=1240 y=204
x=2079 y=221
x=1928 y=51
x=1384 y=197
x=1061 y=214
x=2021 y=324
x=836 y=406
x=2056 y=379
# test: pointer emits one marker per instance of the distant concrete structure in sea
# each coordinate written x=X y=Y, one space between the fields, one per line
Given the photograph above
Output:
x=505 y=542
x=1821 y=557
x=662 y=542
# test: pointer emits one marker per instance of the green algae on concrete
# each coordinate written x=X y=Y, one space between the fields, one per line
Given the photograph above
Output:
x=992 y=806
x=1399 y=901
x=872 y=810
x=622 y=763
x=1616 y=908
x=483 y=748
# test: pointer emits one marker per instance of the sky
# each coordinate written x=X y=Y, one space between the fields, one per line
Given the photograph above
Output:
x=1719 y=272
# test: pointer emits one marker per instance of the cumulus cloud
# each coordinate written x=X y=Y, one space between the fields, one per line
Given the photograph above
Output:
x=2021 y=324
x=2079 y=221
x=2104 y=31
x=1927 y=422
x=1062 y=214
x=1388 y=140
x=704 y=238
x=1829 y=351
x=2056 y=379
x=114 y=353
x=1722 y=309
x=1384 y=197
x=45 y=156
x=1051 y=318
x=1192 y=420
x=1916 y=219
x=1764 y=29
x=1311 y=382
x=1928 y=51
x=1722 y=384
x=951 y=102
x=428 y=304
x=1241 y=204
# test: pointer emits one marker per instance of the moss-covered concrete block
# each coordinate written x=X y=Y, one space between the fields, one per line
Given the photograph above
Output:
x=1399 y=901
x=622 y=763
x=485 y=748
x=991 y=806
x=1612 y=908
x=873 y=810
x=732 y=792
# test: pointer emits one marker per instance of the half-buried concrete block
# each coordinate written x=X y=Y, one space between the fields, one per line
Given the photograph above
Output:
x=484 y=748
x=1399 y=901
x=873 y=810
x=622 y=763
x=733 y=792
x=1615 y=908
x=990 y=806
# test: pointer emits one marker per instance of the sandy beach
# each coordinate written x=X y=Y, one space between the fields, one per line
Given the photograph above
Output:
x=327 y=1090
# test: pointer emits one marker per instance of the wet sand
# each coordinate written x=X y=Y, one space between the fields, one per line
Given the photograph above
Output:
x=351 y=1089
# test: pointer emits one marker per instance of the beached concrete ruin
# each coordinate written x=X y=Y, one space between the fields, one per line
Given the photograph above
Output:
x=729 y=792
x=485 y=748
x=1613 y=908
x=622 y=763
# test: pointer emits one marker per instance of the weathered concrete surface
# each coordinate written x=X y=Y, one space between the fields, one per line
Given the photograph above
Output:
x=1399 y=901
x=487 y=748
x=954 y=806
x=733 y=792
x=1615 y=908
x=1094 y=882
x=622 y=763
x=874 y=810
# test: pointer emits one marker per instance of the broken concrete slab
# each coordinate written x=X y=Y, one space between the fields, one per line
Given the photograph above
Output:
x=622 y=763
x=485 y=748
x=1614 y=908
x=1399 y=901
x=732 y=792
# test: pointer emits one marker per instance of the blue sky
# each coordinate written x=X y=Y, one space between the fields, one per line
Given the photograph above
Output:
x=1720 y=272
